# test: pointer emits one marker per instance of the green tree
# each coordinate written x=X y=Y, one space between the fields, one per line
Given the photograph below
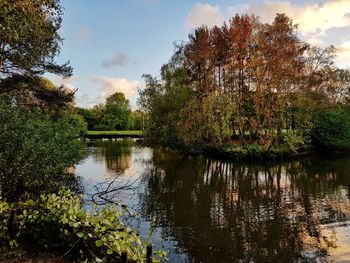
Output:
x=88 y=116
x=136 y=120
x=35 y=91
x=29 y=38
x=116 y=113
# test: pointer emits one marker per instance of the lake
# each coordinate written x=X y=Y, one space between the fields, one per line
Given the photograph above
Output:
x=206 y=210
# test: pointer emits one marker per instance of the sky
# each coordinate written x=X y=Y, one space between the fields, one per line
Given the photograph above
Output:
x=111 y=43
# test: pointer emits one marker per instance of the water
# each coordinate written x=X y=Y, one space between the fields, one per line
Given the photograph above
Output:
x=207 y=210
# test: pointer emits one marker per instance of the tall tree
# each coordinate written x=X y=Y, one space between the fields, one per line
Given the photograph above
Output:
x=29 y=38
x=116 y=112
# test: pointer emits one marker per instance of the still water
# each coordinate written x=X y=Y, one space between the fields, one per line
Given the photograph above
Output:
x=207 y=210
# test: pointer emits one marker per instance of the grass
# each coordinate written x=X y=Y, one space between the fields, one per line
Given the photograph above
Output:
x=114 y=133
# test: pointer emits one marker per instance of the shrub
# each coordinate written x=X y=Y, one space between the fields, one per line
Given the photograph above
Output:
x=60 y=220
x=332 y=130
x=35 y=152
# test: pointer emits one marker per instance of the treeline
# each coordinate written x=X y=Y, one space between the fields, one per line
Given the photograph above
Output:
x=39 y=146
x=114 y=114
x=246 y=84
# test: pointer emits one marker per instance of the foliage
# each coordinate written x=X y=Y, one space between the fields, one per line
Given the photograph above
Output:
x=213 y=114
x=98 y=236
x=163 y=104
x=246 y=81
x=78 y=122
x=35 y=151
x=115 y=114
x=34 y=92
x=294 y=141
x=136 y=120
x=332 y=129
x=29 y=39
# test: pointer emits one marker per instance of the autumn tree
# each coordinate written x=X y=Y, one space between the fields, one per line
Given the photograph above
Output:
x=271 y=82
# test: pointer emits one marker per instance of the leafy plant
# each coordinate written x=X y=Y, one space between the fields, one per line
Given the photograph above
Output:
x=60 y=220
x=332 y=129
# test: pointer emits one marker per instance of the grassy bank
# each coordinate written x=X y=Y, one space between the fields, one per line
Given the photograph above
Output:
x=255 y=152
x=123 y=133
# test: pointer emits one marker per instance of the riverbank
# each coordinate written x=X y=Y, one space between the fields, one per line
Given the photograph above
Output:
x=113 y=134
x=252 y=152
x=258 y=153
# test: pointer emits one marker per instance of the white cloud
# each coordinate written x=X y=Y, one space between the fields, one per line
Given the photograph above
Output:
x=204 y=14
x=119 y=59
x=110 y=85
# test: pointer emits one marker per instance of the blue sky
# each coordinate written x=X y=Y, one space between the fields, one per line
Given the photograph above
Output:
x=111 y=43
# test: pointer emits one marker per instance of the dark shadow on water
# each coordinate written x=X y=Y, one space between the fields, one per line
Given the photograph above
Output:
x=208 y=210
x=226 y=212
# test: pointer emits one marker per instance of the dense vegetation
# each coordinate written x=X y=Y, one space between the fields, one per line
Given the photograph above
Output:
x=60 y=220
x=36 y=149
x=40 y=131
x=114 y=114
x=29 y=38
x=245 y=86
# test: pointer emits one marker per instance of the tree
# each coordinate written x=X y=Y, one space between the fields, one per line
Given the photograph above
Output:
x=136 y=120
x=116 y=113
x=274 y=81
x=29 y=38
x=36 y=91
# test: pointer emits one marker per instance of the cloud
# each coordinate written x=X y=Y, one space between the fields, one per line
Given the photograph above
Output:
x=319 y=24
x=343 y=52
x=204 y=14
x=68 y=82
x=85 y=34
x=311 y=18
x=119 y=59
x=110 y=85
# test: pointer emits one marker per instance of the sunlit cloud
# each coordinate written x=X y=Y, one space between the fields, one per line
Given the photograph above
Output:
x=204 y=14
x=110 y=85
x=311 y=18
x=343 y=54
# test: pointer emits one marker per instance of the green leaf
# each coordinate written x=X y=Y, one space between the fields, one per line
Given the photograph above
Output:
x=99 y=243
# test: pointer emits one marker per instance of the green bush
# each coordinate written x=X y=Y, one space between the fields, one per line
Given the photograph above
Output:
x=35 y=152
x=332 y=130
x=60 y=220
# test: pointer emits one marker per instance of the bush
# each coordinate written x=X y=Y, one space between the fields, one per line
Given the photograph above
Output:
x=332 y=130
x=60 y=220
x=35 y=152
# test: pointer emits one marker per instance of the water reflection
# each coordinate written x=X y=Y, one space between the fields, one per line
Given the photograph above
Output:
x=216 y=211
x=117 y=156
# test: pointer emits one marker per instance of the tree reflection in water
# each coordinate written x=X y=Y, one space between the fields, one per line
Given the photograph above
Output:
x=225 y=212
x=116 y=155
